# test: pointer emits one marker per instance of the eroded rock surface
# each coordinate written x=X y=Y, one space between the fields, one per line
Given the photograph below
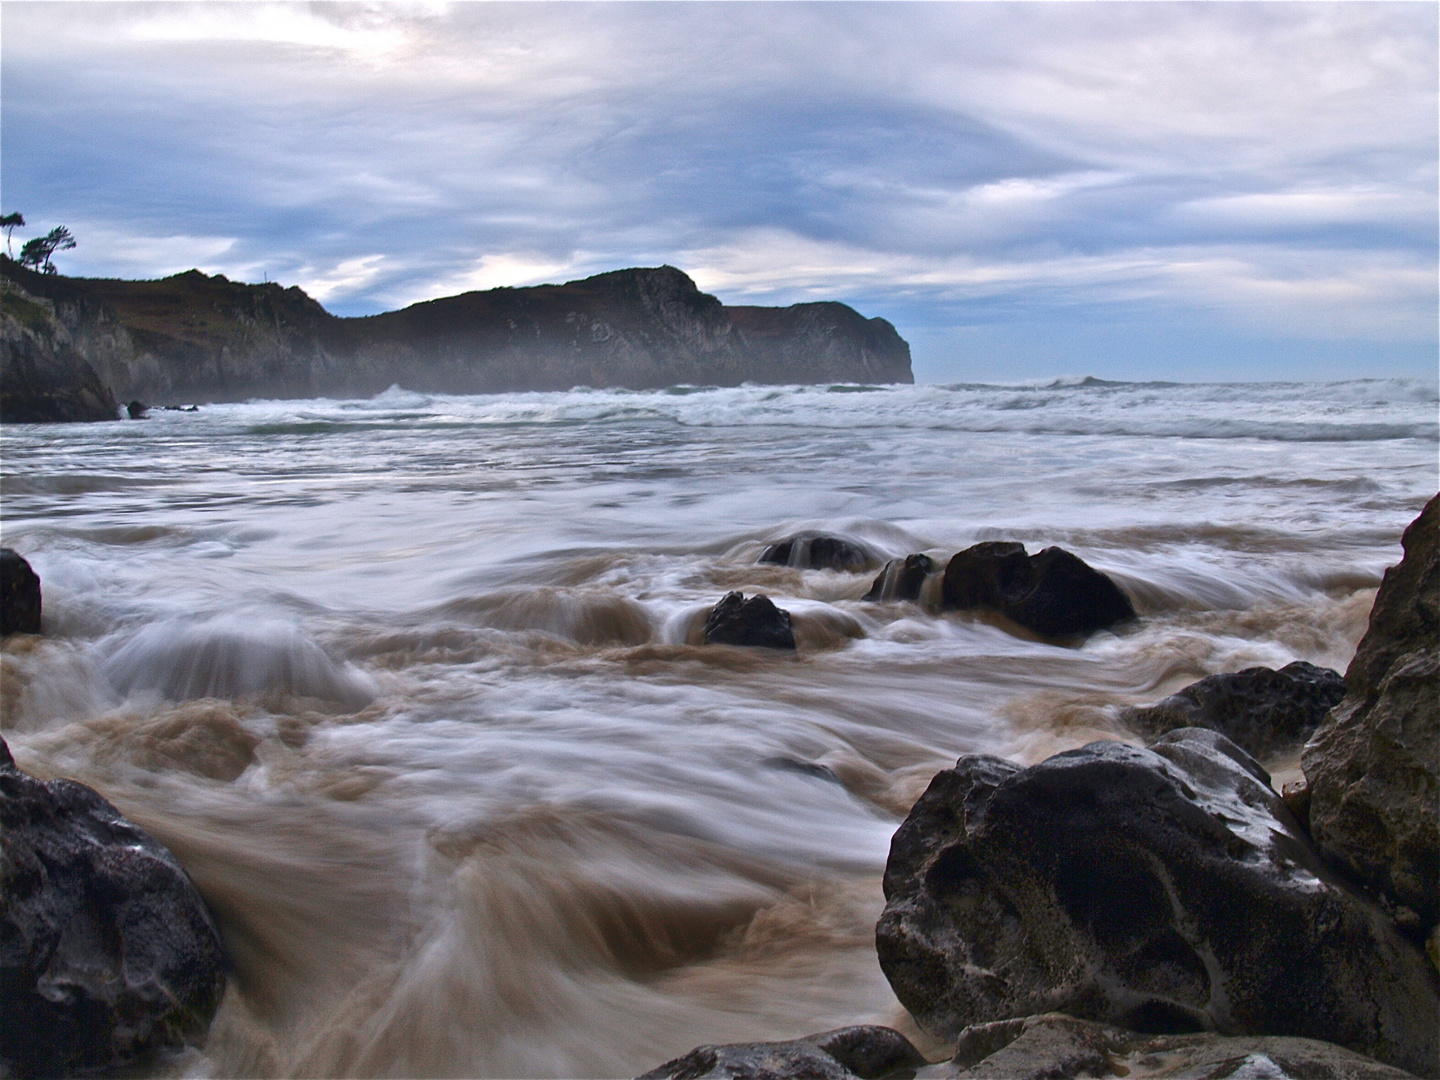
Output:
x=1162 y=890
x=43 y=379
x=107 y=952
x=1059 y=1047
x=736 y=620
x=1371 y=766
x=902 y=579
x=819 y=553
x=866 y=1051
x=1259 y=709
x=1052 y=593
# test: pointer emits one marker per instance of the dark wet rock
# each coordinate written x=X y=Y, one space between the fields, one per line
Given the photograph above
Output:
x=902 y=579
x=804 y=768
x=136 y=410
x=1371 y=767
x=820 y=553
x=1052 y=593
x=1260 y=709
x=43 y=379
x=866 y=1051
x=107 y=952
x=756 y=621
x=19 y=594
x=1059 y=1047
x=1162 y=890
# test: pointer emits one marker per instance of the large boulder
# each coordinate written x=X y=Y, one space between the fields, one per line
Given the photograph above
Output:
x=736 y=620
x=1053 y=593
x=866 y=1051
x=810 y=552
x=1371 y=767
x=1162 y=890
x=19 y=594
x=107 y=952
x=1059 y=1047
x=1259 y=709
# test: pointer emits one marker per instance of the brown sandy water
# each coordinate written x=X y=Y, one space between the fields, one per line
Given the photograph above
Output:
x=411 y=685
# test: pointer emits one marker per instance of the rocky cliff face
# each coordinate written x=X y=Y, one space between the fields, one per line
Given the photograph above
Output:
x=197 y=338
x=43 y=379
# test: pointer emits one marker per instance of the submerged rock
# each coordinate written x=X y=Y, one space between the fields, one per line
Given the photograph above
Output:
x=1259 y=709
x=820 y=553
x=1052 y=593
x=866 y=1051
x=1371 y=767
x=107 y=952
x=19 y=594
x=1058 y=1047
x=756 y=621
x=902 y=579
x=1163 y=890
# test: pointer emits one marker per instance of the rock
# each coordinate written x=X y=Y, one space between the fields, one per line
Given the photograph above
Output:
x=1053 y=593
x=1162 y=890
x=43 y=379
x=1259 y=709
x=1058 y=1047
x=107 y=952
x=756 y=621
x=136 y=410
x=902 y=579
x=865 y=1051
x=1371 y=766
x=19 y=595
x=819 y=553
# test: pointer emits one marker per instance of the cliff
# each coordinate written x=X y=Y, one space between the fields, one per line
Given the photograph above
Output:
x=193 y=337
x=42 y=377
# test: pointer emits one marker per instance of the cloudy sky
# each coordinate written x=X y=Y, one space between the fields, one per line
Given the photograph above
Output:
x=1130 y=190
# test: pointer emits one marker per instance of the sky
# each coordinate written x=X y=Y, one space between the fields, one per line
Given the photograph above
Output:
x=1170 y=191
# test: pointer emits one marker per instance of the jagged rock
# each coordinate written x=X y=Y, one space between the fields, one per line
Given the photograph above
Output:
x=19 y=594
x=1058 y=1047
x=107 y=952
x=1053 y=593
x=902 y=579
x=201 y=338
x=866 y=1051
x=42 y=377
x=1162 y=890
x=756 y=621
x=1259 y=709
x=1371 y=766
x=819 y=553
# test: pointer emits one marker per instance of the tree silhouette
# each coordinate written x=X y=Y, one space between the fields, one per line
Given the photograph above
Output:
x=37 y=252
x=8 y=222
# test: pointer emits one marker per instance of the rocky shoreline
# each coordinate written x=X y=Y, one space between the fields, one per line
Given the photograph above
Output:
x=1111 y=911
x=195 y=338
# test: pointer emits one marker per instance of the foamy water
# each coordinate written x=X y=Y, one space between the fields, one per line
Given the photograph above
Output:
x=410 y=684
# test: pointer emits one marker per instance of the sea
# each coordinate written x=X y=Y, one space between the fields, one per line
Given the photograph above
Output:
x=415 y=688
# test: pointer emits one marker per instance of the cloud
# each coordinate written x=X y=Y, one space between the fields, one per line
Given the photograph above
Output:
x=1261 y=164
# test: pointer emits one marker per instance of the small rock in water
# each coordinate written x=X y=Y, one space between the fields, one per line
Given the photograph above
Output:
x=1163 y=890
x=19 y=594
x=137 y=410
x=867 y=1051
x=1053 y=593
x=819 y=553
x=902 y=579
x=107 y=952
x=756 y=621
x=1259 y=709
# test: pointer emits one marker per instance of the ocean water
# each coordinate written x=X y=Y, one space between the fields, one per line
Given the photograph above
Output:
x=411 y=684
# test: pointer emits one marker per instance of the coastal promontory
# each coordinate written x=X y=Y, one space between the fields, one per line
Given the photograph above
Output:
x=195 y=337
